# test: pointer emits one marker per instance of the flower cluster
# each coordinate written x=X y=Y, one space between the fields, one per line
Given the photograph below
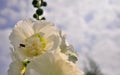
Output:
x=38 y=48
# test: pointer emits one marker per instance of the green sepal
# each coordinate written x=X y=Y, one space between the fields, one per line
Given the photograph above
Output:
x=72 y=58
x=43 y=18
x=25 y=62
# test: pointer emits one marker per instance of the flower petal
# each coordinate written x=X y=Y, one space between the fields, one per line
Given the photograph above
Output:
x=21 y=31
x=67 y=49
x=16 y=65
x=25 y=26
x=52 y=64
x=53 y=42
x=47 y=28
x=15 y=68
x=49 y=32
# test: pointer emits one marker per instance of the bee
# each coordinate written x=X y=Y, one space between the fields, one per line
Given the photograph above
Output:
x=22 y=45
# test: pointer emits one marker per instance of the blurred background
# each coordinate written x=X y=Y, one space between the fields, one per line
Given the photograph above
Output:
x=92 y=27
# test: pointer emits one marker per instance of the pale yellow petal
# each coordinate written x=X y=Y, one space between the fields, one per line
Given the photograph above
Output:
x=25 y=27
x=52 y=64
x=49 y=32
x=53 y=42
x=16 y=39
x=21 y=31
x=15 y=68
x=47 y=28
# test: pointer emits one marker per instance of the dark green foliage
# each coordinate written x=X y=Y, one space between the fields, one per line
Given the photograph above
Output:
x=90 y=73
x=92 y=68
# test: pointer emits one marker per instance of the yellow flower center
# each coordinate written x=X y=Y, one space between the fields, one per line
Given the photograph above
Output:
x=34 y=45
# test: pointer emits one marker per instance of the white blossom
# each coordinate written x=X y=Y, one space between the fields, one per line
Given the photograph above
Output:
x=32 y=38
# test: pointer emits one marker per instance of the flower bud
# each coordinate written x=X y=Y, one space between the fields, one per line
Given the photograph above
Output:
x=36 y=3
x=39 y=11
x=44 y=4
x=36 y=16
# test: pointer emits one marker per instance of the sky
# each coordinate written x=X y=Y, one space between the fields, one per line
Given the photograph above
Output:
x=91 y=26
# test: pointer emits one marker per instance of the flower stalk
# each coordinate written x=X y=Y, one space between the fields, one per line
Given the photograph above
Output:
x=24 y=63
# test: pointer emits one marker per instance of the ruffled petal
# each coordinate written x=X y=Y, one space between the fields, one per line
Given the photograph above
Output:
x=49 y=32
x=44 y=26
x=16 y=65
x=21 y=31
x=66 y=48
x=53 y=42
x=52 y=63
x=25 y=27
x=15 y=68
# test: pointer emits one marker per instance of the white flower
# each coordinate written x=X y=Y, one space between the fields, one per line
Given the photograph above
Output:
x=32 y=38
x=49 y=63
x=52 y=63
x=47 y=50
